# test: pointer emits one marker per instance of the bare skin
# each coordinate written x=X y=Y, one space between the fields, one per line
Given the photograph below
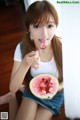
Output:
x=43 y=114
x=30 y=110
x=27 y=110
x=13 y=104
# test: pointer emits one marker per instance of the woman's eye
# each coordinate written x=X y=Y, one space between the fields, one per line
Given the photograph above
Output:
x=50 y=26
x=36 y=26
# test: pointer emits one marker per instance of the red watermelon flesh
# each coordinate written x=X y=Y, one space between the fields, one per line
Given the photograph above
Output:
x=44 y=86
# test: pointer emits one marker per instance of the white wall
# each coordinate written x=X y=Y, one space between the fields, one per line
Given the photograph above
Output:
x=70 y=18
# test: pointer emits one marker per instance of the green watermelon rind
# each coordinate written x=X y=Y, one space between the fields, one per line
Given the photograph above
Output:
x=44 y=97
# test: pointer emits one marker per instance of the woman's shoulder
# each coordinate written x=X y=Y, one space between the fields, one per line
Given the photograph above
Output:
x=18 y=48
x=17 y=53
x=19 y=45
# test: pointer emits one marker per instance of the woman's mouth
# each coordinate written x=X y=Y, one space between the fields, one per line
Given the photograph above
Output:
x=43 y=44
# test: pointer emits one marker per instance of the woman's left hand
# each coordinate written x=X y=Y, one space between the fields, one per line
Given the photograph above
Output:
x=60 y=86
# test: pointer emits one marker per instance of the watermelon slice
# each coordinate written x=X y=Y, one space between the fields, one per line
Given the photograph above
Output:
x=44 y=86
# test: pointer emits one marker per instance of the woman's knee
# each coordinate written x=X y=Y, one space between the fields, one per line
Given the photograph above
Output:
x=43 y=114
x=27 y=110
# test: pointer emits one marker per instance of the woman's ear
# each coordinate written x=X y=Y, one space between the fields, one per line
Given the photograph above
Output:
x=31 y=37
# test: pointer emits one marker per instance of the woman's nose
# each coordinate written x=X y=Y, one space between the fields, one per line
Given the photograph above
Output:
x=44 y=33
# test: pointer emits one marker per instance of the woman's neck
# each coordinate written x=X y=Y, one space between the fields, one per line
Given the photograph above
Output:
x=46 y=54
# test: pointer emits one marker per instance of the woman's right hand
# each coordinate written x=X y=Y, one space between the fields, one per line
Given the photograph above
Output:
x=32 y=59
x=20 y=69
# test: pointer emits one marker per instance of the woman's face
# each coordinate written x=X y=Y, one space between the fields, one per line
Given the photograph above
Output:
x=43 y=34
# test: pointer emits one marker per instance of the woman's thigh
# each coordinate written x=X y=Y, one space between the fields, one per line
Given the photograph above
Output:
x=43 y=114
x=27 y=110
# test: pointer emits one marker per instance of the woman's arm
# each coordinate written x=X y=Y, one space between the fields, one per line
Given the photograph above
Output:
x=18 y=73
x=20 y=69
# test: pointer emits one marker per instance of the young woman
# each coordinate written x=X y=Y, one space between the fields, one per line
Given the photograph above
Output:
x=40 y=52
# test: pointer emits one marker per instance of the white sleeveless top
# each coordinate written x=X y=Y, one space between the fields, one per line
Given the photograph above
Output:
x=44 y=67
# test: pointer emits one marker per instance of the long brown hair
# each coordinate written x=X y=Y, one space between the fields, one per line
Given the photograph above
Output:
x=40 y=12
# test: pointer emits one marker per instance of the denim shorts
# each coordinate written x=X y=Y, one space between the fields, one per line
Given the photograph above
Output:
x=52 y=105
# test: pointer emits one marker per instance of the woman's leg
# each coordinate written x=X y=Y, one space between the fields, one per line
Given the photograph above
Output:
x=43 y=114
x=9 y=96
x=13 y=107
x=27 y=110
x=12 y=100
x=5 y=98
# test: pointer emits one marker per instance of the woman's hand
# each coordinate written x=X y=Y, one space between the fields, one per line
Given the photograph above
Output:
x=60 y=86
x=32 y=59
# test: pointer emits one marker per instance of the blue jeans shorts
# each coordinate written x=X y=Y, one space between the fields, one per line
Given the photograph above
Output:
x=52 y=105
